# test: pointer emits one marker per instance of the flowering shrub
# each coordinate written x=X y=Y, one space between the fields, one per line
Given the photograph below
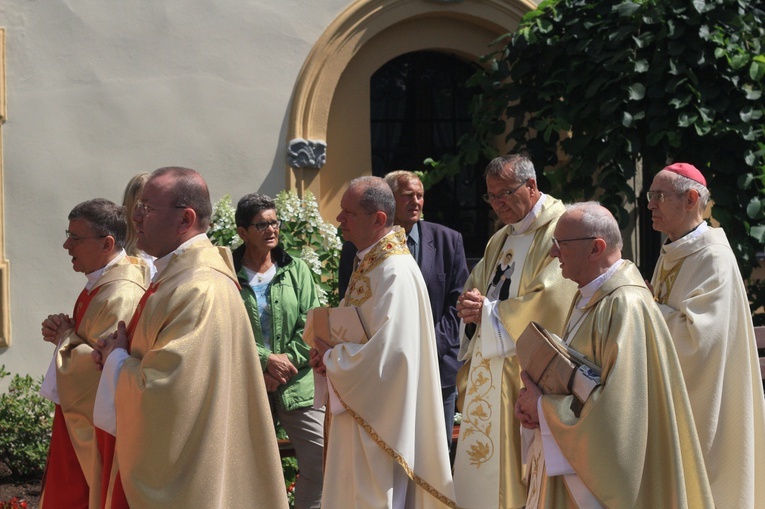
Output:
x=14 y=503
x=26 y=419
x=308 y=236
x=222 y=230
x=304 y=234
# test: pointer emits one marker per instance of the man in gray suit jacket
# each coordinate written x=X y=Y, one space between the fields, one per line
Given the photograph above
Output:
x=441 y=256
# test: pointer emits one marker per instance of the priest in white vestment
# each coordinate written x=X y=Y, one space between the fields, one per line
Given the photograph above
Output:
x=515 y=282
x=701 y=294
x=386 y=444
x=627 y=440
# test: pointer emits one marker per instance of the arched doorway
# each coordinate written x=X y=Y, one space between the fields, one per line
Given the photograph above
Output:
x=418 y=109
x=331 y=99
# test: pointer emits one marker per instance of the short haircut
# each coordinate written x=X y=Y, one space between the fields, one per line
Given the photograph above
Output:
x=250 y=205
x=683 y=184
x=189 y=190
x=105 y=217
x=511 y=167
x=597 y=221
x=376 y=196
x=394 y=178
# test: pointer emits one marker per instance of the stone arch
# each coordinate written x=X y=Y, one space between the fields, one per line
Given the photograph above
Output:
x=330 y=103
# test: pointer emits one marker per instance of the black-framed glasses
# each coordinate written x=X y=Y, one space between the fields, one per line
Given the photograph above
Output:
x=276 y=225
x=558 y=242
x=145 y=209
x=76 y=238
x=659 y=195
x=490 y=197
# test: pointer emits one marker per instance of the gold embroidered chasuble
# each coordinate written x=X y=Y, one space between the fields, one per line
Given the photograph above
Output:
x=702 y=297
x=193 y=421
x=634 y=444
x=389 y=388
x=118 y=291
x=488 y=471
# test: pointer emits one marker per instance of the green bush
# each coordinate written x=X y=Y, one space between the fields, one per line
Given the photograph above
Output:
x=26 y=419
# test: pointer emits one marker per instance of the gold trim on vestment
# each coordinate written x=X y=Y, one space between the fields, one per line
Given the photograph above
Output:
x=395 y=455
x=359 y=287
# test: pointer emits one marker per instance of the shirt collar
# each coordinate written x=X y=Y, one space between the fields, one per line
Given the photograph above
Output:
x=161 y=263
x=588 y=290
x=414 y=233
x=94 y=276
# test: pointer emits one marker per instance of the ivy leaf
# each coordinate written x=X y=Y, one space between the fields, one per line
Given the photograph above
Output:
x=636 y=91
x=758 y=233
x=757 y=69
x=754 y=208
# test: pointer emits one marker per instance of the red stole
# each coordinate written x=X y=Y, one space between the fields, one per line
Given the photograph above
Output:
x=64 y=484
x=107 y=441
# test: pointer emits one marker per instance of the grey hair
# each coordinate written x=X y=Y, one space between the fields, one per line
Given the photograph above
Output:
x=511 y=166
x=376 y=196
x=394 y=178
x=599 y=222
x=683 y=184
x=250 y=205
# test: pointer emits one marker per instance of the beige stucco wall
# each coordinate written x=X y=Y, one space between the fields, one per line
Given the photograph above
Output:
x=99 y=91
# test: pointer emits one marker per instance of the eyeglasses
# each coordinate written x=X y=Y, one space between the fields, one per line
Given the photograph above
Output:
x=659 y=196
x=71 y=236
x=276 y=225
x=558 y=242
x=490 y=197
x=145 y=209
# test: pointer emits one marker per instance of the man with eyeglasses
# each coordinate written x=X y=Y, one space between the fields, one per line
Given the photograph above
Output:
x=702 y=297
x=516 y=282
x=182 y=393
x=627 y=440
x=386 y=444
x=115 y=283
x=440 y=255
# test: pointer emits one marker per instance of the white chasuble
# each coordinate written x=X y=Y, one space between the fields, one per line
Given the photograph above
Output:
x=702 y=297
x=488 y=471
x=388 y=448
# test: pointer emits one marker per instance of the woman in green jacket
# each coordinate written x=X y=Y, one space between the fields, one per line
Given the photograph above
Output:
x=278 y=291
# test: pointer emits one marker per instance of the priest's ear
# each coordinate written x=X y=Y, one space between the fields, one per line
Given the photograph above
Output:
x=381 y=219
x=189 y=221
x=691 y=199
x=108 y=244
x=599 y=247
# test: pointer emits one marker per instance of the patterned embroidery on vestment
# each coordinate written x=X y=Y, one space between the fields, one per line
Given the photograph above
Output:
x=476 y=419
x=360 y=288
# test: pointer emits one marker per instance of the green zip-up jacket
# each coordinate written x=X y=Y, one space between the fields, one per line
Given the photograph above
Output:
x=290 y=295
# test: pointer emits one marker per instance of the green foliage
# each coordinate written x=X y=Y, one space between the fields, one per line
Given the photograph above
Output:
x=618 y=85
x=289 y=468
x=304 y=234
x=26 y=419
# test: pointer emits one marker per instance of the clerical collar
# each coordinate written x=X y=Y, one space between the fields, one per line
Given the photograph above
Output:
x=588 y=290
x=96 y=274
x=702 y=228
x=361 y=254
x=524 y=224
x=161 y=263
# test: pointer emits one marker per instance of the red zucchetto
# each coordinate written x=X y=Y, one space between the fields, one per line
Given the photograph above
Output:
x=688 y=171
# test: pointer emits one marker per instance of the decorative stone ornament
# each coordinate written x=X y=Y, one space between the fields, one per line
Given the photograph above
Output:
x=306 y=153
